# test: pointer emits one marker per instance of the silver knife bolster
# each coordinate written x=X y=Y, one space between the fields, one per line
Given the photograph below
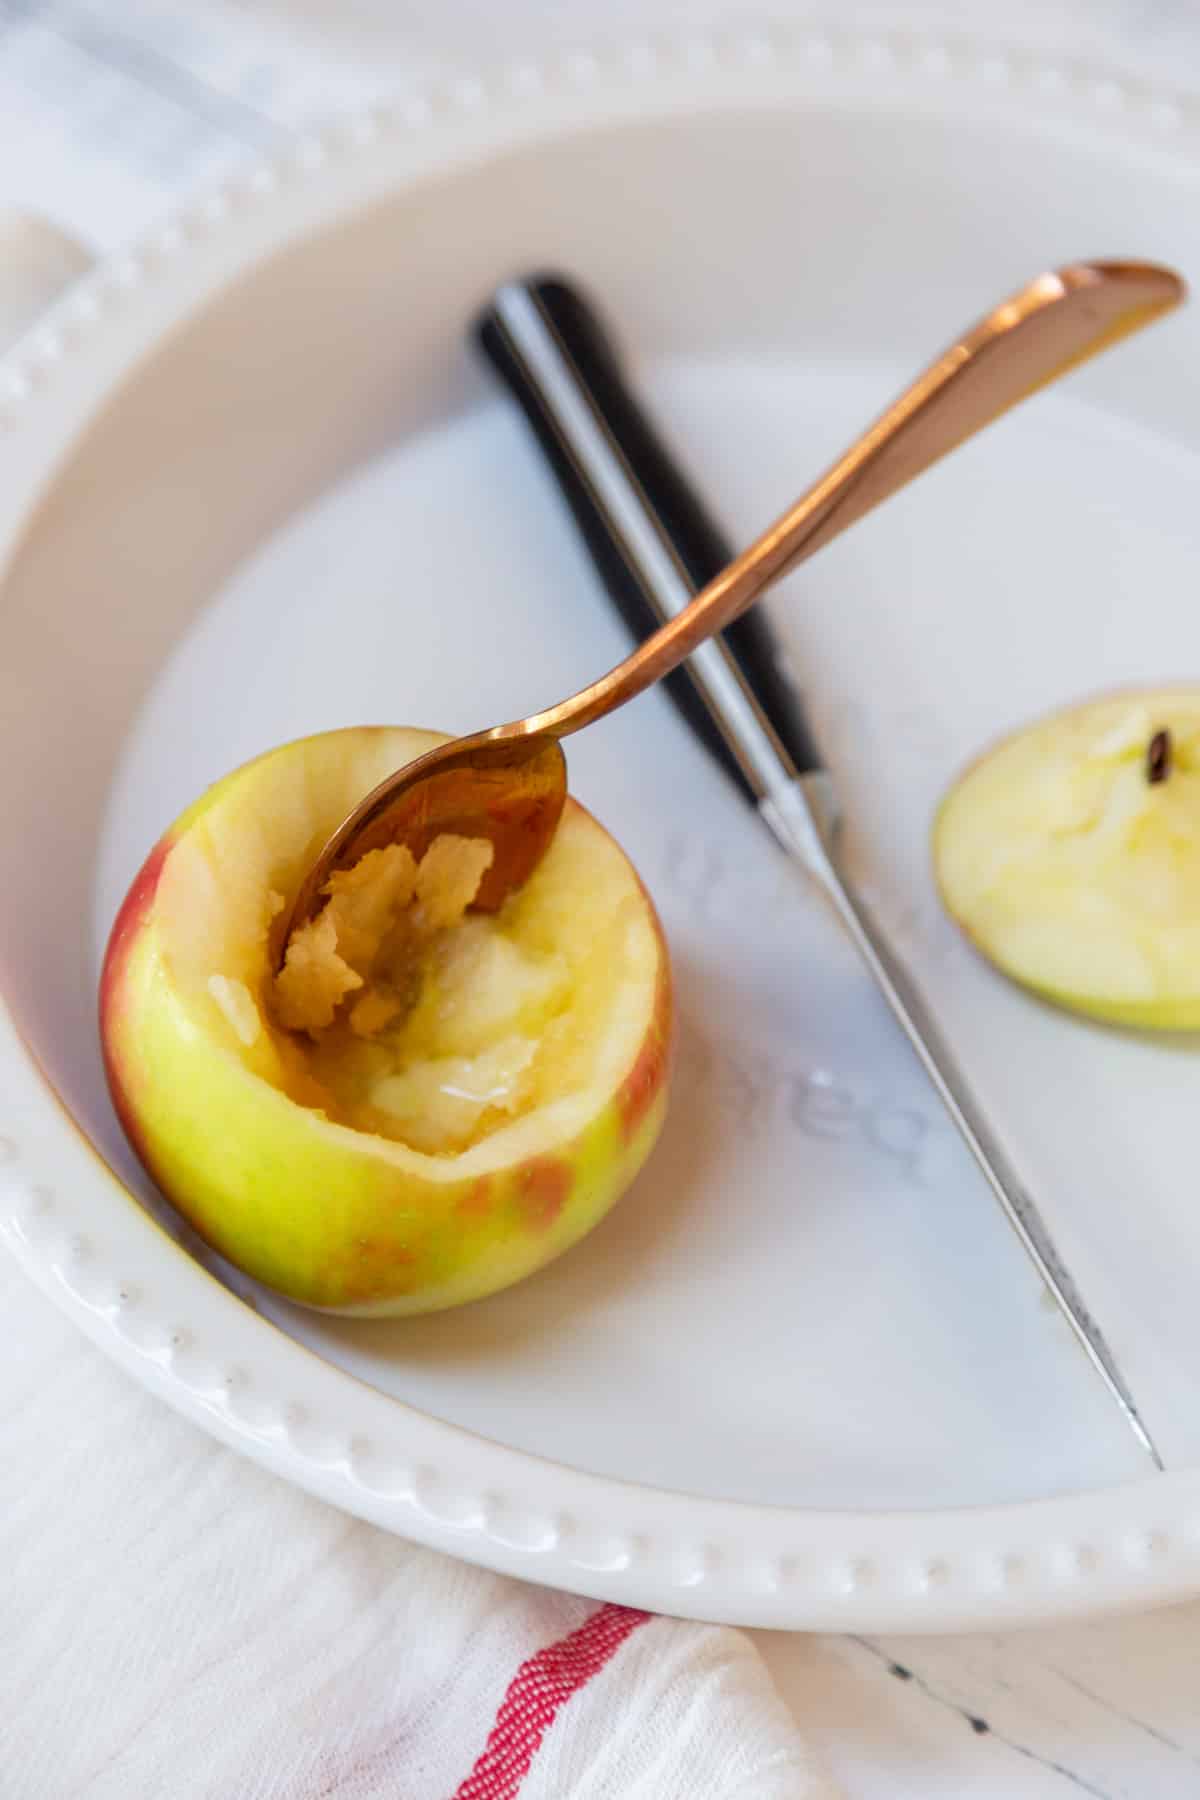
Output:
x=737 y=714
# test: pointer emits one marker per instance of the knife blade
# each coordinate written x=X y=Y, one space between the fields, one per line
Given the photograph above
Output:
x=654 y=546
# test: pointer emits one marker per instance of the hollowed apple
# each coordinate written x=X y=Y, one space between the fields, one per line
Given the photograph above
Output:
x=426 y=1106
x=1070 y=855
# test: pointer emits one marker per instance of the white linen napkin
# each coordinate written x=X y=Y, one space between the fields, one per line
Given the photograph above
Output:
x=175 y=1621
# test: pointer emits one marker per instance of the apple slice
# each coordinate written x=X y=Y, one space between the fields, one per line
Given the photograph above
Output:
x=428 y=1103
x=1070 y=856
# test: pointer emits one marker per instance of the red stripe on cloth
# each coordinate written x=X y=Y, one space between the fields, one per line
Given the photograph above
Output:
x=535 y=1693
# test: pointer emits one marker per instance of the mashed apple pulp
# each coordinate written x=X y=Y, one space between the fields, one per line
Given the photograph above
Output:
x=416 y=1020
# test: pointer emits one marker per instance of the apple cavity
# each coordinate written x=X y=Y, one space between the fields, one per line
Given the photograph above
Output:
x=427 y=1102
x=1070 y=856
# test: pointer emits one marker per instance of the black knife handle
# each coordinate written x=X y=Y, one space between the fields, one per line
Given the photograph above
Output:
x=699 y=547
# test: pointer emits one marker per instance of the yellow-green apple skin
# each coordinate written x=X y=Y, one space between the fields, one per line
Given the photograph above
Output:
x=333 y=1217
x=1075 y=872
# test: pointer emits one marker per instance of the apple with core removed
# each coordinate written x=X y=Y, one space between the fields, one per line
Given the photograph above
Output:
x=429 y=1102
x=1070 y=856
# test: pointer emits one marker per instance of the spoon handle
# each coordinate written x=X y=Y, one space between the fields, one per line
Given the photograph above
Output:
x=651 y=538
x=1040 y=333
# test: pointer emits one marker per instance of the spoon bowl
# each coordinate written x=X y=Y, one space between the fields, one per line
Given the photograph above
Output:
x=510 y=789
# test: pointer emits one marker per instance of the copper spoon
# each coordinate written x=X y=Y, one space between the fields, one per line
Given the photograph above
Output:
x=509 y=784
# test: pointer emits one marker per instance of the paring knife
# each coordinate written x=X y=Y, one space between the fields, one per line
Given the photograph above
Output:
x=655 y=546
